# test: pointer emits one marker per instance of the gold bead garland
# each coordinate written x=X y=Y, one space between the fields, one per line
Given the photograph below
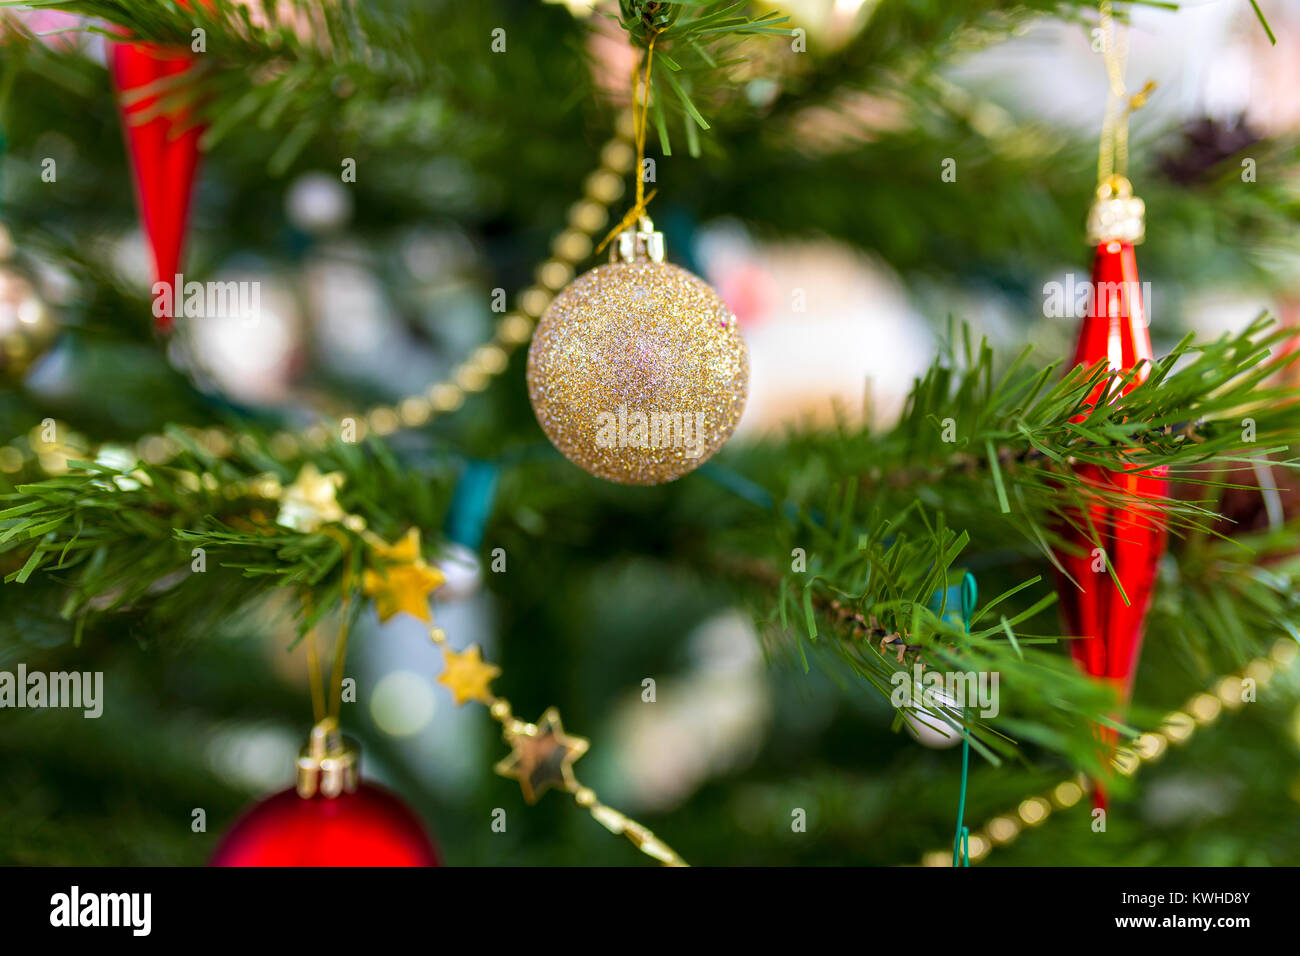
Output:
x=569 y=247
x=1176 y=728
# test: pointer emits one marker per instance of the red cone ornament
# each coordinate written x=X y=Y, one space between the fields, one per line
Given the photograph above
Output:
x=329 y=819
x=164 y=151
x=1128 y=522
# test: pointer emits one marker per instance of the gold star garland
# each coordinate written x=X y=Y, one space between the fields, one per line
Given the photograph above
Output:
x=398 y=579
x=311 y=501
x=542 y=755
x=466 y=675
x=403 y=581
x=1177 y=727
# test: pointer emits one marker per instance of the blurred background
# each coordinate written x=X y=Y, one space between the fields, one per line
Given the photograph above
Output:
x=818 y=211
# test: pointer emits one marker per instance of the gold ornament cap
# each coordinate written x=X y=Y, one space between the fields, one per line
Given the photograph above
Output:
x=1116 y=214
x=638 y=244
x=329 y=764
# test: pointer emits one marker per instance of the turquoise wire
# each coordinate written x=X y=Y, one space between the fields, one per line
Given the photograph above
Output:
x=961 y=842
x=961 y=839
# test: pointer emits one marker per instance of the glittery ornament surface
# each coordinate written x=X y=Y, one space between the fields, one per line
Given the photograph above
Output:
x=637 y=372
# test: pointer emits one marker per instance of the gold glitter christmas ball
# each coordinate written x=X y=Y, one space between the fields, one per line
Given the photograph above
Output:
x=637 y=371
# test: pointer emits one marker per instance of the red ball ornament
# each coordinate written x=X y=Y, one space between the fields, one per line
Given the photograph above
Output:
x=329 y=819
x=1126 y=513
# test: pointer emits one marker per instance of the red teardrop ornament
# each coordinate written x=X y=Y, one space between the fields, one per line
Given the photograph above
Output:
x=1126 y=514
x=164 y=151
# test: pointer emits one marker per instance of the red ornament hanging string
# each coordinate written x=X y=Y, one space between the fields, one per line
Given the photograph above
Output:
x=330 y=817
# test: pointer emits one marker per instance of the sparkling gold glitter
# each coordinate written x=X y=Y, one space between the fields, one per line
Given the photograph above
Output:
x=637 y=372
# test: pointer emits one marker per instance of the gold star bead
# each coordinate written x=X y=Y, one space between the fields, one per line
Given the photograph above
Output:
x=542 y=756
x=467 y=676
x=405 y=551
x=405 y=582
x=310 y=501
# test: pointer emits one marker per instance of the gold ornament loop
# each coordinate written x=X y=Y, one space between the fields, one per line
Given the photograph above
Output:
x=1112 y=158
x=642 y=244
x=640 y=112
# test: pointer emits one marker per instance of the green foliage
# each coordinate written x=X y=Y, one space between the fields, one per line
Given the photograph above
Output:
x=877 y=514
x=691 y=47
x=126 y=538
x=614 y=578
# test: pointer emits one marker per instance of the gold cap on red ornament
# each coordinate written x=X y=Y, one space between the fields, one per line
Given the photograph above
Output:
x=329 y=764
x=1116 y=214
